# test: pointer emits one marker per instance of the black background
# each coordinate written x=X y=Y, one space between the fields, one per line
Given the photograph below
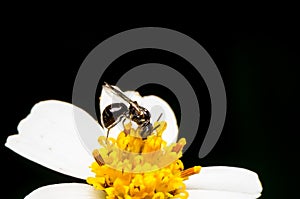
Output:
x=258 y=66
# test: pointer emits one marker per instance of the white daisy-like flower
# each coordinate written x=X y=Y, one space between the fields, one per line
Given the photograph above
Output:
x=49 y=136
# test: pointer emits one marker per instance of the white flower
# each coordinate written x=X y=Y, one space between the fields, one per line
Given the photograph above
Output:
x=49 y=137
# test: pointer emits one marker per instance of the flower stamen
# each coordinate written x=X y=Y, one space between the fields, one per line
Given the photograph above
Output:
x=132 y=167
x=190 y=171
x=98 y=157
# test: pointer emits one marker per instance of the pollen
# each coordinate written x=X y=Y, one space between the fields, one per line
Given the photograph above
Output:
x=133 y=167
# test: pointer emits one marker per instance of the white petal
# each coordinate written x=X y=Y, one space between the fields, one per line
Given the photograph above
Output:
x=49 y=136
x=156 y=106
x=210 y=194
x=66 y=191
x=222 y=178
x=152 y=103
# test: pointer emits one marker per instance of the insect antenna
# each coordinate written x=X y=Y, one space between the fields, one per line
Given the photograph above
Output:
x=158 y=124
x=159 y=117
x=155 y=127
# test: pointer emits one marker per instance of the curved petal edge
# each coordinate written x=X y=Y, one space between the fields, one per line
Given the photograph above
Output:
x=66 y=191
x=49 y=136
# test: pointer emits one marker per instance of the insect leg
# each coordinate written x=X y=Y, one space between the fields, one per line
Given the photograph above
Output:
x=125 y=116
x=113 y=124
x=123 y=122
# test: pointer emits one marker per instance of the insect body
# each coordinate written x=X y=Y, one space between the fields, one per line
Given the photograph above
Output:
x=116 y=112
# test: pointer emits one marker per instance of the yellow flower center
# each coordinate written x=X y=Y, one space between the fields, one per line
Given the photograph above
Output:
x=131 y=167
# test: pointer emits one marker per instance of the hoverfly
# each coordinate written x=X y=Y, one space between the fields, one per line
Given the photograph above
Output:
x=116 y=112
